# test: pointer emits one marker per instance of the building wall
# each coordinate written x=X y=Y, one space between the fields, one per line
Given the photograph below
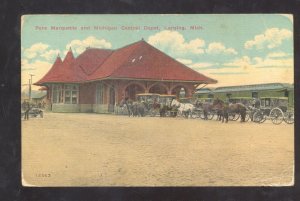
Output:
x=65 y=107
x=86 y=108
x=100 y=108
x=87 y=93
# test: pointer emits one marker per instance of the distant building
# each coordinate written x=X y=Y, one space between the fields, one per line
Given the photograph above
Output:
x=98 y=79
x=251 y=91
x=39 y=98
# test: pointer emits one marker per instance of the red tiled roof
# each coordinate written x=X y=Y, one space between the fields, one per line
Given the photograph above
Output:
x=135 y=61
x=52 y=73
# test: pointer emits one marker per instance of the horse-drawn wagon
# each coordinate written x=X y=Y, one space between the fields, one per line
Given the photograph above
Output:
x=166 y=109
x=157 y=104
x=246 y=101
x=151 y=103
x=274 y=108
x=203 y=109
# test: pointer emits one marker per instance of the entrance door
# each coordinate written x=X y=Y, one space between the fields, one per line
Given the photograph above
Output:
x=111 y=105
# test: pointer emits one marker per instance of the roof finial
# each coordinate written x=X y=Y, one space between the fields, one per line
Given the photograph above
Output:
x=142 y=39
x=70 y=49
x=58 y=54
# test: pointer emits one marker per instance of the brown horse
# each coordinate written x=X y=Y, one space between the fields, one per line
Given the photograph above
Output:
x=206 y=107
x=225 y=109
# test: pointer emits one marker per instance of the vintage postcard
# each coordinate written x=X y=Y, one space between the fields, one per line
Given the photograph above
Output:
x=157 y=100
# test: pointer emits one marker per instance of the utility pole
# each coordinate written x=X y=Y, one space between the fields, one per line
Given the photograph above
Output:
x=29 y=88
x=30 y=82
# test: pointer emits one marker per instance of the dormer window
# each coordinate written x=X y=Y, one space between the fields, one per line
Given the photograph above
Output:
x=133 y=60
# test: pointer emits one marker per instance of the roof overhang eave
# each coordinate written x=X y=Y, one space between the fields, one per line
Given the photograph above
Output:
x=210 y=81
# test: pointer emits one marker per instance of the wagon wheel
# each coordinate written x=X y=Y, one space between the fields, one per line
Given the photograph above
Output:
x=195 y=114
x=201 y=114
x=289 y=117
x=258 y=117
x=153 y=112
x=233 y=116
x=210 y=115
x=247 y=117
x=276 y=116
x=168 y=113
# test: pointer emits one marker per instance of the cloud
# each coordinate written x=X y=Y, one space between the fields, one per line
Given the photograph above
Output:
x=228 y=73
x=274 y=63
x=34 y=50
x=243 y=62
x=277 y=54
x=38 y=68
x=50 y=55
x=174 y=43
x=78 y=46
x=246 y=70
x=255 y=70
x=246 y=63
x=271 y=38
x=184 y=61
x=219 y=48
x=202 y=65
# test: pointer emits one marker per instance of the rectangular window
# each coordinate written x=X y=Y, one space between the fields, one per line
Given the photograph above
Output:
x=67 y=97
x=228 y=95
x=57 y=94
x=71 y=94
x=254 y=94
x=100 y=93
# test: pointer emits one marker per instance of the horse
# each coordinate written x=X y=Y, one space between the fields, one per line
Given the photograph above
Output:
x=184 y=109
x=206 y=107
x=134 y=109
x=138 y=109
x=225 y=109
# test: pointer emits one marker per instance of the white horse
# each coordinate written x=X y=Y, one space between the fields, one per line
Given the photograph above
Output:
x=184 y=109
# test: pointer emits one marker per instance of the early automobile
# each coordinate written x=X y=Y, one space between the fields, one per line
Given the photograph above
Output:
x=33 y=112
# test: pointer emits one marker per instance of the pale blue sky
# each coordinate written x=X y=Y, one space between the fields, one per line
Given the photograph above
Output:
x=240 y=46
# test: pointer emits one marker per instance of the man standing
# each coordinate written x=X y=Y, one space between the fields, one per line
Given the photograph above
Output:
x=27 y=108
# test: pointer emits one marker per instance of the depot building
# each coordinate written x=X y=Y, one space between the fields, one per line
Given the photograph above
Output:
x=98 y=79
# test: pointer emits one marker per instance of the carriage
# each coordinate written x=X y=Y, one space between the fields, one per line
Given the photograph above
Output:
x=151 y=101
x=165 y=105
x=199 y=111
x=274 y=108
x=204 y=100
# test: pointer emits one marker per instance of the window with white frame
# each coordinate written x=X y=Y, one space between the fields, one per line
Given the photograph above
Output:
x=57 y=93
x=71 y=94
x=100 y=93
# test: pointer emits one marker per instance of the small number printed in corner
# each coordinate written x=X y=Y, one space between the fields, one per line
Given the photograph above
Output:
x=43 y=175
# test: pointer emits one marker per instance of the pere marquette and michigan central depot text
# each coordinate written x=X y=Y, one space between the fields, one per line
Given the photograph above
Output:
x=112 y=28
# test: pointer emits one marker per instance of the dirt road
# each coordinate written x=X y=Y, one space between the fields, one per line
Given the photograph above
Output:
x=108 y=150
